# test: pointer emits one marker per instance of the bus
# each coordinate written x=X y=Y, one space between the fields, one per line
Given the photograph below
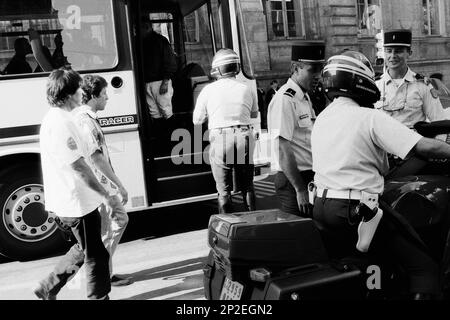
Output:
x=105 y=37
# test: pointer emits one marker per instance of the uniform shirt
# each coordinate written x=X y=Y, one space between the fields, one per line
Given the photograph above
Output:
x=92 y=134
x=226 y=102
x=350 y=145
x=66 y=194
x=410 y=102
x=291 y=116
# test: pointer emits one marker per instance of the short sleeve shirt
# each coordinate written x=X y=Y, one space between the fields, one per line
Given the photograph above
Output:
x=290 y=115
x=92 y=134
x=66 y=194
x=409 y=102
x=350 y=145
x=225 y=103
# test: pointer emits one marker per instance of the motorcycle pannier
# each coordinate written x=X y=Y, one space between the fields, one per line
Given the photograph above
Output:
x=269 y=238
x=315 y=282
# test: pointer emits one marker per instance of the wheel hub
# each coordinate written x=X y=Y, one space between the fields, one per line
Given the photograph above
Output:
x=24 y=215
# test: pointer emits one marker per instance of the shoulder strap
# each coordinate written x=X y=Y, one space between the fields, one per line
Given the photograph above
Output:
x=289 y=92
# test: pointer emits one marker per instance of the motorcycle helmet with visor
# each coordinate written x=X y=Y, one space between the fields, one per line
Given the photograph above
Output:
x=226 y=63
x=351 y=75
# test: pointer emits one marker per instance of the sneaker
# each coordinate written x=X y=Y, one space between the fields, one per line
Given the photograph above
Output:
x=118 y=281
x=43 y=294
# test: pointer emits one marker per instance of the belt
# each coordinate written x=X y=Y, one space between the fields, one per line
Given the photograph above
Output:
x=245 y=126
x=339 y=194
x=236 y=126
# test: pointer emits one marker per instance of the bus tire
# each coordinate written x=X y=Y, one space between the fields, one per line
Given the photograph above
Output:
x=27 y=231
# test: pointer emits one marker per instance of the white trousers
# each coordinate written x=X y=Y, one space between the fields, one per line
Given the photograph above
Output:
x=160 y=106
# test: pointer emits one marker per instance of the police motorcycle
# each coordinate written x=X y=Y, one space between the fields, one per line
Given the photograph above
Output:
x=272 y=255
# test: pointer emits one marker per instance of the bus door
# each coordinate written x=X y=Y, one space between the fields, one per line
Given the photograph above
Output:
x=178 y=149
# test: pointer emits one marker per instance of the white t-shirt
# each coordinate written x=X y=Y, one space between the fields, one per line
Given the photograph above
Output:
x=92 y=134
x=224 y=103
x=290 y=115
x=350 y=145
x=65 y=193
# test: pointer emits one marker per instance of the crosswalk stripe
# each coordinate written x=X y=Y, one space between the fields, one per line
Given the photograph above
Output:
x=176 y=294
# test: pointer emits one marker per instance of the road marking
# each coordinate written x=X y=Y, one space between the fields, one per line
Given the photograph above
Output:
x=176 y=294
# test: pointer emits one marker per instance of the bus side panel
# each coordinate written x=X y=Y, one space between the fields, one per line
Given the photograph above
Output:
x=26 y=105
x=125 y=152
x=23 y=101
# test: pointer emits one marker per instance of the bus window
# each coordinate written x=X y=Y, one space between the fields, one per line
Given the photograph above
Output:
x=79 y=33
x=195 y=64
x=198 y=37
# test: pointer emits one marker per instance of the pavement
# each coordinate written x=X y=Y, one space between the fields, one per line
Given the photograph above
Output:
x=163 y=268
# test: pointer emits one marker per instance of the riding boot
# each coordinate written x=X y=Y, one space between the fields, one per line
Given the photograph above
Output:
x=249 y=199
x=225 y=204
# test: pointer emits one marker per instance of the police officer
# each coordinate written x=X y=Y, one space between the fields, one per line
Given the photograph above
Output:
x=229 y=105
x=404 y=94
x=350 y=142
x=290 y=119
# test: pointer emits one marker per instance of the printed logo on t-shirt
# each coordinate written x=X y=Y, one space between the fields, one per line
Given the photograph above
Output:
x=71 y=144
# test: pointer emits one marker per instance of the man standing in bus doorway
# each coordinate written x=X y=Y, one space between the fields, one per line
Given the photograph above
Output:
x=290 y=120
x=72 y=191
x=160 y=66
x=113 y=219
x=404 y=94
x=228 y=105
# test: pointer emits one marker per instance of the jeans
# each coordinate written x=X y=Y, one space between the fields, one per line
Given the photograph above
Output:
x=113 y=221
x=89 y=251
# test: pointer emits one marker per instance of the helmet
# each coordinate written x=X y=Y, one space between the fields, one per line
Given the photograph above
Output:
x=350 y=74
x=225 y=63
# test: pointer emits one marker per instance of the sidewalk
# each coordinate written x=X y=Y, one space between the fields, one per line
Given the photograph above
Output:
x=163 y=268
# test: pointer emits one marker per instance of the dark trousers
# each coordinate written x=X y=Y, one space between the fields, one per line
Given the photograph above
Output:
x=89 y=251
x=390 y=243
x=285 y=191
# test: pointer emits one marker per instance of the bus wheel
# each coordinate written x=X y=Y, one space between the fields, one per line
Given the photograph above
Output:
x=27 y=231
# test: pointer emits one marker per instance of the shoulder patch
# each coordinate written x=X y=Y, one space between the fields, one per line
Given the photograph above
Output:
x=434 y=93
x=71 y=144
x=289 y=92
x=418 y=76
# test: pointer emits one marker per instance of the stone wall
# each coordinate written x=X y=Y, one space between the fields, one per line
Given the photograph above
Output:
x=338 y=28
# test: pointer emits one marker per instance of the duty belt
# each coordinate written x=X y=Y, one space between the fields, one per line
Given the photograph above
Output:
x=339 y=194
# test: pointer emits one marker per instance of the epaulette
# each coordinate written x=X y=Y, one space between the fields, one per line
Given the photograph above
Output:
x=421 y=78
x=290 y=93
x=418 y=76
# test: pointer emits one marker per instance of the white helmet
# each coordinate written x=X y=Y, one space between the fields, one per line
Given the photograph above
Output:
x=225 y=63
x=350 y=74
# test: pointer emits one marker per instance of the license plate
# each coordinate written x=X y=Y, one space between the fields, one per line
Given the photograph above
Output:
x=231 y=290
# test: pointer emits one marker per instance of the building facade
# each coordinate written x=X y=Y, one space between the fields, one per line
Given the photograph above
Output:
x=272 y=26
